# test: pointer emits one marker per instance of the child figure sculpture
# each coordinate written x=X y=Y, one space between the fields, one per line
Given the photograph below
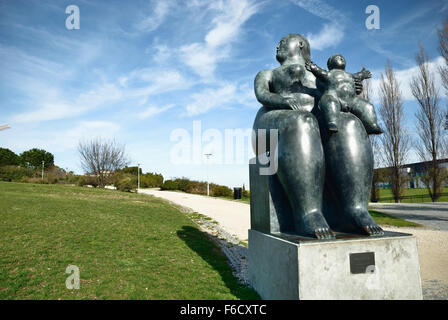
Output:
x=340 y=95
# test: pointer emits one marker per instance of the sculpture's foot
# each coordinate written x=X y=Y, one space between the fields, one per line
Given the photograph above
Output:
x=373 y=230
x=332 y=127
x=315 y=225
x=324 y=233
x=365 y=223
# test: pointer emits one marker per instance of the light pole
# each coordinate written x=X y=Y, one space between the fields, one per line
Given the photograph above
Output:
x=138 y=176
x=208 y=187
x=43 y=163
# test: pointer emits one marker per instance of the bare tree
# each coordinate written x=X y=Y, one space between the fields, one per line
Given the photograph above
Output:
x=443 y=49
x=395 y=140
x=430 y=124
x=101 y=158
x=376 y=148
x=443 y=70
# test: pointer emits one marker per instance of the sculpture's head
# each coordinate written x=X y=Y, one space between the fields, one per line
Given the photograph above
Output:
x=293 y=45
x=336 y=61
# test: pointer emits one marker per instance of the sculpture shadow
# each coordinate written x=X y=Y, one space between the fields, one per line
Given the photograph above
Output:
x=205 y=246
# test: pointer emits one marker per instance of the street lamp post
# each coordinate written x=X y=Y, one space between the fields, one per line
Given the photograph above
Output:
x=138 y=176
x=208 y=187
x=43 y=164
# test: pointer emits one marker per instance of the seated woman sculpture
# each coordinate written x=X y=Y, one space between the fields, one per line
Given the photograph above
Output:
x=325 y=177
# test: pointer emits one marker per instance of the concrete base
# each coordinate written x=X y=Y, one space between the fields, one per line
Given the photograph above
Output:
x=289 y=267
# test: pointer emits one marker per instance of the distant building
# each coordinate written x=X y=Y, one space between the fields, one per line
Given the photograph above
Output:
x=415 y=171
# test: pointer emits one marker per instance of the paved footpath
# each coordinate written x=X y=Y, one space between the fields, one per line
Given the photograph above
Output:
x=234 y=217
x=431 y=215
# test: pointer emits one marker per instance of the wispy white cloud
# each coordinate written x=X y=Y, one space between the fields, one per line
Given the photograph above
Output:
x=203 y=57
x=208 y=99
x=224 y=95
x=60 y=139
x=322 y=10
x=329 y=36
x=332 y=31
x=16 y=61
x=146 y=81
x=54 y=105
x=154 y=110
x=85 y=130
x=159 y=11
x=404 y=77
x=159 y=52
x=378 y=45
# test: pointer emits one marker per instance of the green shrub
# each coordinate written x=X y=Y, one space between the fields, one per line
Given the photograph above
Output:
x=147 y=180
x=8 y=158
x=129 y=170
x=33 y=158
x=169 y=185
x=34 y=180
x=73 y=178
x=124 y=181
x=184 y=184
x=196 y=187
x=16 y=173
x=154 y=179
x=244 y=192
x=52 y=175
x=126 y=184
x=88 y=181
x=151 y=180
x=221 y=191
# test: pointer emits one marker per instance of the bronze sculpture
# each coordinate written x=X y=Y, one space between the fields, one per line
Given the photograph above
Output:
x=340 y=94
x=326 y=176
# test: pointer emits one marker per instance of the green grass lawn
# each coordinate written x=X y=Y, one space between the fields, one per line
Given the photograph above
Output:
x=127 y=246
x=385 y=219
x=243 y=199
x=387 y=193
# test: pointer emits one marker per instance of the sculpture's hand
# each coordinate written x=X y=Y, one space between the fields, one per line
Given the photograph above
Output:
x=309 y=65
x=293 y=103
x=366 y=73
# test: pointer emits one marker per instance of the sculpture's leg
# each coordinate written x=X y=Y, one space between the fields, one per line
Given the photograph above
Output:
x=349 y=160
x=365 y=111
x=330 y=108
x=301 y=171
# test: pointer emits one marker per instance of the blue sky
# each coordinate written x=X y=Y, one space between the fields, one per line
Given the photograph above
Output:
x=138 y=70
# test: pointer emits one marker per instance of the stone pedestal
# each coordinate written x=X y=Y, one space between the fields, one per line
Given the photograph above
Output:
x=288 y=267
